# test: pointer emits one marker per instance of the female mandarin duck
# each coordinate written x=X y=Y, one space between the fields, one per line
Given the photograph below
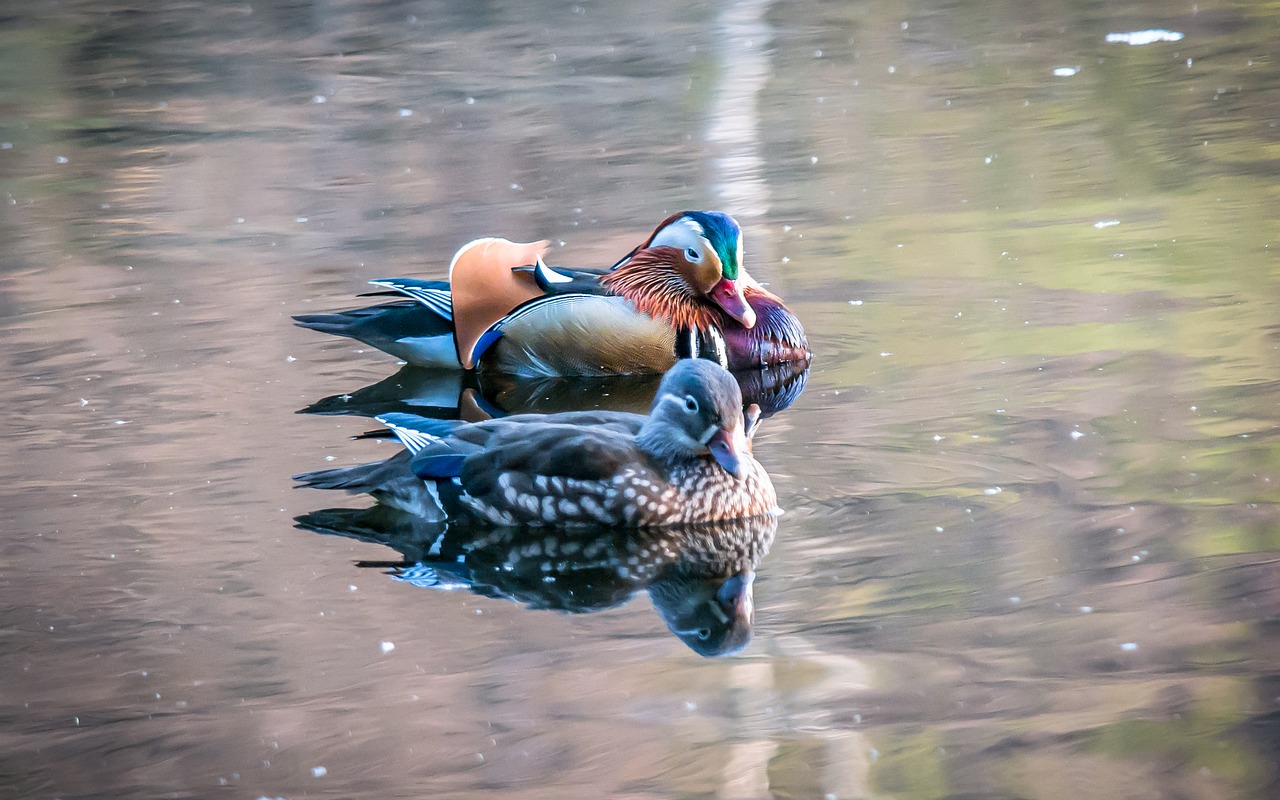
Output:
x=681 y=293
x=688 y=461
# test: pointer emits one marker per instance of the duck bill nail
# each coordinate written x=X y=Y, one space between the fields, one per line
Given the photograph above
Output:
x=728 y=295
x=725 y=454
x=735 y=595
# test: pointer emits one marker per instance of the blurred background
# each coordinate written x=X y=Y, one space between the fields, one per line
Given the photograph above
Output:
x=1032 y=540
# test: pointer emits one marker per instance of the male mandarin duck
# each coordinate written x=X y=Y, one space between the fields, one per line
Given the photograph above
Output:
x=688 y=461
x=681 y=293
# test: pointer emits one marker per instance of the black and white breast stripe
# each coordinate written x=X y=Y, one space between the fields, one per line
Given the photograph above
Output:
x=708 y=344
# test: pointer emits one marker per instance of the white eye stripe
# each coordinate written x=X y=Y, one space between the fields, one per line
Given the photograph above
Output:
x=683 y=234
x=671 y=398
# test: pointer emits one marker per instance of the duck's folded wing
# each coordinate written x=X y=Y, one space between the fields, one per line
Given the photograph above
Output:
x=404 y=329
x=432 y=294
x=552 y=474
x=576 y=334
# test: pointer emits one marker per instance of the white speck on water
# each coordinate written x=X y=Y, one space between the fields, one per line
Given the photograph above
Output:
x=885 y=354
x=1065 y=72
x=937 y=529
x=319 y=772
x=319 y=98
x=1129 y=647
x=405 y=112
x=855 y=302
x=62 y=159
x=1145 y=37
x=988 y=159
x=387 y=647
x=937 y=437
x=1106 y=223
x=239 y=220
x=351 y=587
x=1135 y=558
x=813 y=159
x=1077 y=434
x=471 y=101
x=786 y=259
x=1015 y=599
x=905 y=25
x=892 y=69
x=301 y=219
x=817 y=54
x=83 y=402
x=517 y=187
x=290 y=359
x=121 y=422
x=993 y=490
x=1086 y=609
x=6 y=145
x=330 y=458
x=690 y=705
x=1192 y=408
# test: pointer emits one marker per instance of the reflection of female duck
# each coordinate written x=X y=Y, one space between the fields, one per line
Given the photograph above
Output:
x=688 y=461
x=698 y=576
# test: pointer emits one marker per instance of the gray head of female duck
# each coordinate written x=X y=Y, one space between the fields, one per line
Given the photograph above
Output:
x=696 y=412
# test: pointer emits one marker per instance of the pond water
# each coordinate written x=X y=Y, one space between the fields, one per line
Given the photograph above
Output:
x=1032 y=540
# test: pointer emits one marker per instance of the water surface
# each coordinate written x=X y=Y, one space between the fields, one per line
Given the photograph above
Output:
x=1032 y=546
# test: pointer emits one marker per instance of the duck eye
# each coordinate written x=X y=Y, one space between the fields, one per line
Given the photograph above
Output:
x=693 y=255
x=691 y=403
x=704 y=633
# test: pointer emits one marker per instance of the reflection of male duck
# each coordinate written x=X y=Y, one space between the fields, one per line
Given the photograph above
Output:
x=683 y=292
x=688 y=461
x=475 y=396
x=699 y=577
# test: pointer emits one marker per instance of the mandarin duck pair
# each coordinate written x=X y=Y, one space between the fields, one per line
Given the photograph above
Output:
x=688 y=461
x=682 y=293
